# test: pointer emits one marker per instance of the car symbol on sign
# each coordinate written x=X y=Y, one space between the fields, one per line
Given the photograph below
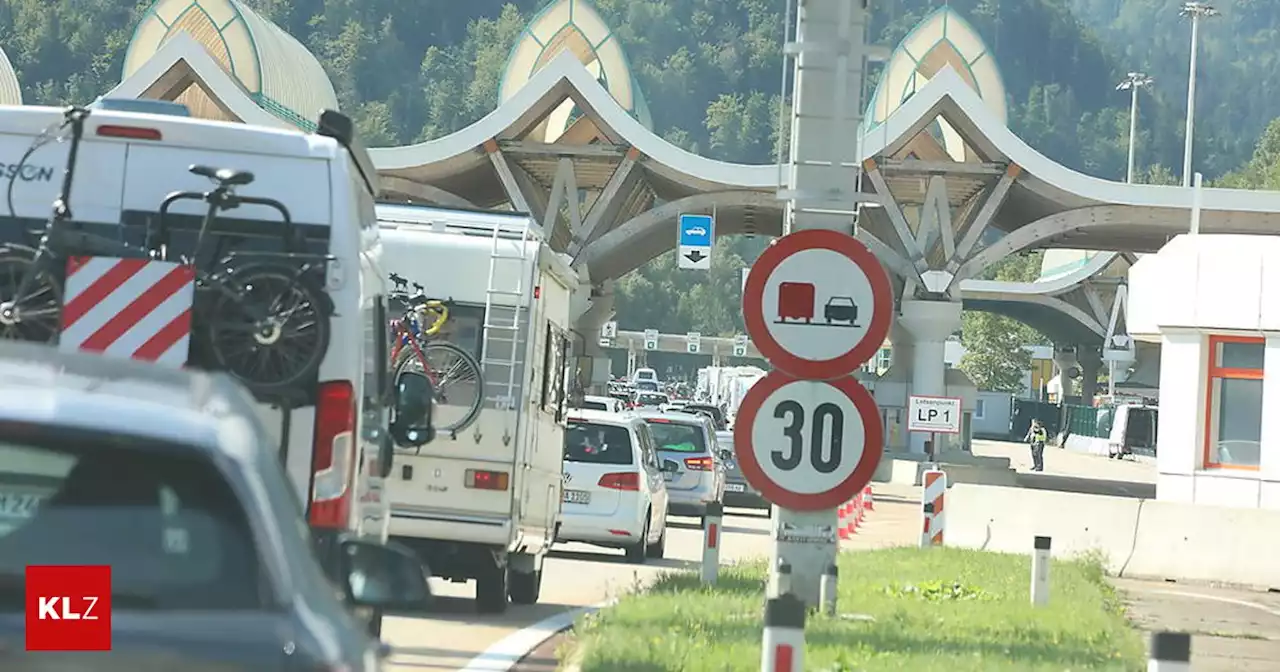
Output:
x=696 y=231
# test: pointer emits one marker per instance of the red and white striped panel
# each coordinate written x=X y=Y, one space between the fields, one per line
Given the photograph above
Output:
x=935 y=524
x=129 y=308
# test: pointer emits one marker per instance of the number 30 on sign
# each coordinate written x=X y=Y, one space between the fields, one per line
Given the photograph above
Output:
x=808 y=445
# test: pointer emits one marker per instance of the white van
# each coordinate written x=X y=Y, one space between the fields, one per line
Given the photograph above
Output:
x=331 y=428
x=484 y=504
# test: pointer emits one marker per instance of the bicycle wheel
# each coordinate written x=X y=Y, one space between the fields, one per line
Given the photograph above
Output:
x=37 y=315
x=269 y=328
x=459 y=385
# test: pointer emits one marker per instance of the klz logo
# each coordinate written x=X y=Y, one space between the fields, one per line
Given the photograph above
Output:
x=68 y=608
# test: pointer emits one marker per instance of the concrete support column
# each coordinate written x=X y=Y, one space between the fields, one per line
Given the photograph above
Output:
x=587 y=326
x=929 y=324
x=1068 y=366
x=1090 y=359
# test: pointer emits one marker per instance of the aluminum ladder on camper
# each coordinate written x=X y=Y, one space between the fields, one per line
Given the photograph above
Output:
x=501 y=373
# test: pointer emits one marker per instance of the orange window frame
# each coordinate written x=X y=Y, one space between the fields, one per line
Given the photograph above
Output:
x=1217 y=372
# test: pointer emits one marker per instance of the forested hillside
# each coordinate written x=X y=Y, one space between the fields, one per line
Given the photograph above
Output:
x=416 y=69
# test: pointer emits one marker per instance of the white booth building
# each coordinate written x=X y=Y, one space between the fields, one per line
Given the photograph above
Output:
x=1213 y=302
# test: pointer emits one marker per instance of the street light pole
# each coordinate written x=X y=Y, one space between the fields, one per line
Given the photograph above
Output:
x=1131 y=83
x=1196 y=10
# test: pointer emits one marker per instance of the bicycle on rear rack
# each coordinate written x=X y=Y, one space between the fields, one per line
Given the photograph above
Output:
x=455 y=374
x=263 y=317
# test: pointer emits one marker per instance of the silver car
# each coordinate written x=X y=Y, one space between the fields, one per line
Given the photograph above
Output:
x=737 y=491
x=693 y=463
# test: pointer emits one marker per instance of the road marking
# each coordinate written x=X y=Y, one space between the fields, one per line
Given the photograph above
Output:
x=1215 y=598
x=506 y=652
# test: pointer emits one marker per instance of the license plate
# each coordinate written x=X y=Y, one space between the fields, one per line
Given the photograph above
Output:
x=734 y=487
x=577 y=497
x=18 y=505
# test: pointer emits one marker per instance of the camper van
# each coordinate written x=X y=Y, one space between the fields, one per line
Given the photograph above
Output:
x=484 y=503
x=329 y=426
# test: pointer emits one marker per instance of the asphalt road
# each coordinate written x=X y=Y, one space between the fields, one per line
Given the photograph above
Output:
x=575 y=575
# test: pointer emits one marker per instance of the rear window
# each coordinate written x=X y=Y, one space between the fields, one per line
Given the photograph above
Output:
x=651 y=399
x=595 y=405
x=677 y=437
x=597 y=444
x=162 y=516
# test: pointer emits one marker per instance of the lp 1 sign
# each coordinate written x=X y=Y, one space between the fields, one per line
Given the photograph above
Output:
x=939 y=415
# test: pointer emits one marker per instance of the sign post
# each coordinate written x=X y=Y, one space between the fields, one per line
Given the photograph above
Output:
x=695 y=236
x=934 y=415
x=740 y=345
x=693 y=342
x=650 y=339
x=817 y=305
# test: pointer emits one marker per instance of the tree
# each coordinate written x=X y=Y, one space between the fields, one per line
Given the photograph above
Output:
x=994 y=358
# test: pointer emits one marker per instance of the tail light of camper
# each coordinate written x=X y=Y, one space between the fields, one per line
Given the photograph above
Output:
x=333 y=455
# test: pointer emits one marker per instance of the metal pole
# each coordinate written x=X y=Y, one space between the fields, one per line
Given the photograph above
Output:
x=1191 y=102
x=1111 y=380
x=1133 y=130
x=1197 y=197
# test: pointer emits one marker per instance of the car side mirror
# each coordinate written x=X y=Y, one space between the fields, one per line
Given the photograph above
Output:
x=726 y=454
x=414 y=397
x=670 y=465
x=382 y=576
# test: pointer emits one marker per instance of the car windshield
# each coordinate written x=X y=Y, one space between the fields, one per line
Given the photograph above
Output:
x=677 y=437
x=161 y=515
x=597 y=444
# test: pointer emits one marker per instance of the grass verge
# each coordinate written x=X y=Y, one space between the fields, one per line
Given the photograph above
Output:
x=944 y=610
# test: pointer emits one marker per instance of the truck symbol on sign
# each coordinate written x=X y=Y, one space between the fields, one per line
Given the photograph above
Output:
x=798 y=301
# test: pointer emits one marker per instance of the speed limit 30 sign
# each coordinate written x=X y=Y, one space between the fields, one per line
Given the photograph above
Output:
x=808 y=445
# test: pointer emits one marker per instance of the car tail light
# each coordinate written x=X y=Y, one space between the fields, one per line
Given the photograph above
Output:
x=332 y=455
x=486 y=480
x=129 y=132
x=627 y=480
x=698 y=463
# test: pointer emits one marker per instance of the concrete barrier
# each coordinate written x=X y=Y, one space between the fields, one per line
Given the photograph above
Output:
x=1008 y=520
x=1134 y=537
x=961 y=467
x=1207 y=543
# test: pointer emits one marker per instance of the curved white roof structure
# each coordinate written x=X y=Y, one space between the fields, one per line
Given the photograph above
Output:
x=10 y=87
x=1052 y=205
x=576 y=27
x=276 y=71
x=565 y=78
x=943 y=38
x=182 y=64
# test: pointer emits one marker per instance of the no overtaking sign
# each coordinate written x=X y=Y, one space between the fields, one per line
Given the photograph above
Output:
x=817 y=304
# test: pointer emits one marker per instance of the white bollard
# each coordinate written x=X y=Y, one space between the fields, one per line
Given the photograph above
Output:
x=712 y=522
x=783 y=649
x=781 y=579
x=1040 y=572
x=1170 y=652
x=827 y=590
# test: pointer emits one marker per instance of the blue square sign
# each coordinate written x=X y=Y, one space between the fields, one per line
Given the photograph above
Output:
x=696 y=230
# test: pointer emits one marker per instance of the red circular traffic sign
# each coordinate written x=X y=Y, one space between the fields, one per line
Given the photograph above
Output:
x=808 y=445
x=817 y=304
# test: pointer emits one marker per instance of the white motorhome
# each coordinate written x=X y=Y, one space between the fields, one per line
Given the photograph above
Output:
x=331 y=429
x=485 y=504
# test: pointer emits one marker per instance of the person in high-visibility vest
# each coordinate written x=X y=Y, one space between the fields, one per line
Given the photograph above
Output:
x=1037 y=437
